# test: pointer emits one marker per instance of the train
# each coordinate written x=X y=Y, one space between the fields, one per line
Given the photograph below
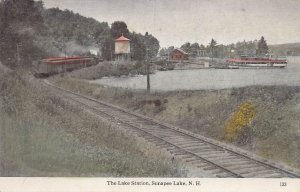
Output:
x=55 y=65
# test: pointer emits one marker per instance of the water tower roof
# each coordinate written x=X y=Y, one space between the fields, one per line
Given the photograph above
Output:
x=122 y=38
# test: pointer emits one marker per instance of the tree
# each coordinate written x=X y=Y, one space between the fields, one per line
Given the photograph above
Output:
x=152 y=45
x=262 y=47
x=203 y=51
x=118 y=28
x=19 y=20
x=40 y=32
x=26 y=11
x=194 y=49
x=186 y=47
x=138 y=49
x=212 y=46
x=162 y=52
x=166 y=51
x=8 y=42
x=107 y=48
x=231 y=50
x=3 y=21
x=221 y=51
x=170 y=49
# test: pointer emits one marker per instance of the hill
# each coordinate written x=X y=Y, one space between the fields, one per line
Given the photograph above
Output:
x=288 y=49
x=73 y=33
x=29 y=32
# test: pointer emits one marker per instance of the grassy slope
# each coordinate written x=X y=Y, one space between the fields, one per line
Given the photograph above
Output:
x=109 y=68
x=43 y=135
x=273 y=133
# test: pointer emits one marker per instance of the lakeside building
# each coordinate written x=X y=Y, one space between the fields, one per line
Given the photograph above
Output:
x=178 y=54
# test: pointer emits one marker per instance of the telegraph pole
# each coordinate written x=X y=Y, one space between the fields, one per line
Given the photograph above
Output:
x=148 y=64
x=111 y=52
x=19 y=45
x=148 y=77
x=212 y=54
x=65 y=65
x=63 y=48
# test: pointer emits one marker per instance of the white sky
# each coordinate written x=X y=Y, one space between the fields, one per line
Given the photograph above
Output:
x=175 y=22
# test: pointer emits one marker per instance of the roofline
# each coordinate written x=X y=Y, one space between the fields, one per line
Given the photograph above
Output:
x=182 y=51
x=122 y=38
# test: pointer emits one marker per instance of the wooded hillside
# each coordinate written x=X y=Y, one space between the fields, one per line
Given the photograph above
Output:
x=29 y=32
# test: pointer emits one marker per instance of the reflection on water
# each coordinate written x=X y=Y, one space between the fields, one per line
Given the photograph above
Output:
x=211 y=78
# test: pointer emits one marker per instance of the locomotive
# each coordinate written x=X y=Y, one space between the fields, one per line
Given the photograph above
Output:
x=54 y=65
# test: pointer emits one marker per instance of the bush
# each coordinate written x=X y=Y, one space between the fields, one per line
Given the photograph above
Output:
x=239 y=121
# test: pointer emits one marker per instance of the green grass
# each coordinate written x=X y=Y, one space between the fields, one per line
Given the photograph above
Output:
x=109 y=68
x=273 y=133
x=44 y=135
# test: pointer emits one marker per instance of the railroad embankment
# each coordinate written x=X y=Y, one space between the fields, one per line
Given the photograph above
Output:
x=109 y=68
x=44 y=135
x=261 y=119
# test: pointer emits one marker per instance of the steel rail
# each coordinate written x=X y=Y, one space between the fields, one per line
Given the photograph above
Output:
x=178 y=130
x=159 y=138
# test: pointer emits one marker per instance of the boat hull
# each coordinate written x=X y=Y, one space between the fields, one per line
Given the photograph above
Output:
x=257 y=66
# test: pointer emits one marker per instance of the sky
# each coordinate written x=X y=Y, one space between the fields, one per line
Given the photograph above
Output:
x=174 y=22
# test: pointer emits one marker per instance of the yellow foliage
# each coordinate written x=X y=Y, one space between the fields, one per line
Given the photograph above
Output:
x=242 y=117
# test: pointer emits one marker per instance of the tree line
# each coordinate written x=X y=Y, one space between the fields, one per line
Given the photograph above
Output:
x=30 y=32
x=215 y=50
x=142 y=46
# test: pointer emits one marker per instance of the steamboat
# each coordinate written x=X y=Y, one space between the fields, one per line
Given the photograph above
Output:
x=256 y=62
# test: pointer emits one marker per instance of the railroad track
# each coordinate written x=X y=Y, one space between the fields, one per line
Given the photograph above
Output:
x=215 y=158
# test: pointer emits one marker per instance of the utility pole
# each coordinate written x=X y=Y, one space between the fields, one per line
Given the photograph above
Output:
x=65 y=65
x=211 y=52
x=63 y=48
x=148 y=77
x=18 y=57
x=111 y=52
x=148 y=64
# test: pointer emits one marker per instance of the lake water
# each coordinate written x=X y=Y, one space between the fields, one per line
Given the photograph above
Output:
x=210 y=78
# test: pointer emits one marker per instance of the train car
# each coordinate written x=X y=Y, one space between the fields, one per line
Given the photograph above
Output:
x=56 y=65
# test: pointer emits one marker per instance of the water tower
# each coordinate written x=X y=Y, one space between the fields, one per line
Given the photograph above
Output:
x=122 y=48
